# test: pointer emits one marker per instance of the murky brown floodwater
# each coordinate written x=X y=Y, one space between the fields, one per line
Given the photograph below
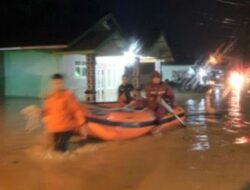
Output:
x=212 y=154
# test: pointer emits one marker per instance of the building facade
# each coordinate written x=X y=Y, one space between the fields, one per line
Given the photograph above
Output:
x=92 y=63
x=85 y=62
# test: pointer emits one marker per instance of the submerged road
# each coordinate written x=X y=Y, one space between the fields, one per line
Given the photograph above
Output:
x=212 y=153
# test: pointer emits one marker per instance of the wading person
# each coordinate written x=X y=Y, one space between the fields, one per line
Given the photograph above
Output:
x=124 y=91
x=156 y=91
x=62 y=114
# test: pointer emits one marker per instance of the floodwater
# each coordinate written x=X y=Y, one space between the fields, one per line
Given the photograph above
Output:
x=213 y=153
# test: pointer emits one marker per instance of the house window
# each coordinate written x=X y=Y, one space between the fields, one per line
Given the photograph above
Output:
x=80 y=69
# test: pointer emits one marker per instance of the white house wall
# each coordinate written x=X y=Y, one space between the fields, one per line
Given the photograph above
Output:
x=77 y=84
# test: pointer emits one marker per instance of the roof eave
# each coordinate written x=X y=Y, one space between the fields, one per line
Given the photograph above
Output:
x=46 y=47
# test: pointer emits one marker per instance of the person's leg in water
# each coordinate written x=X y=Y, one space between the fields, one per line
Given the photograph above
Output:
x=159 y=114
x=61 y=141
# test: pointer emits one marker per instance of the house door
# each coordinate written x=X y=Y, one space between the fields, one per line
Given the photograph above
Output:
x=107 y=81
x=100 y=82
x=104 y=81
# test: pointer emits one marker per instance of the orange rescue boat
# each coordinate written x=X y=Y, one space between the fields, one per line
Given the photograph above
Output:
x=118 y=124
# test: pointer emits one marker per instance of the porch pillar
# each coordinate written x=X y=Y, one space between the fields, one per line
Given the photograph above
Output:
x=158 y=65
x=91 y=90
x=136 y=73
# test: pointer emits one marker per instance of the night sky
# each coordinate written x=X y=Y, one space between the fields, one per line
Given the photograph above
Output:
x=193 y=27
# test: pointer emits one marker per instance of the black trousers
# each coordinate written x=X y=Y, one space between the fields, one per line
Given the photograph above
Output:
x=61 y=140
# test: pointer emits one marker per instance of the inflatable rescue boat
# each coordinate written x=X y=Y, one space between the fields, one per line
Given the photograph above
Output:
x=109 y=123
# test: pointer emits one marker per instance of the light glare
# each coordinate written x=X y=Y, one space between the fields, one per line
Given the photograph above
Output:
x=236 y=80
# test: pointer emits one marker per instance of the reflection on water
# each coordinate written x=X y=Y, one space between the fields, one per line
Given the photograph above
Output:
x=197 y=117
x=196 y=155
x=242 y=140
x=235 y=117
x=202 y=143
x=219 y=111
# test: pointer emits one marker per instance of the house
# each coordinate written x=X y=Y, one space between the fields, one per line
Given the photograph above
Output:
x=92 y=62
x=86 y=60
x=155 y=52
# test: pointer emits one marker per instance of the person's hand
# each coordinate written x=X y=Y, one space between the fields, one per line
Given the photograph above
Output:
x=158 y=99
x=174 y=105
x=131 y=104
x=122 y=98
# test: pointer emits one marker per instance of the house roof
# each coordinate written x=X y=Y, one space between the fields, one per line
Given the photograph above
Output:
x=92 y=40
x=148 y=40
x=155 y=44
x=83 y=36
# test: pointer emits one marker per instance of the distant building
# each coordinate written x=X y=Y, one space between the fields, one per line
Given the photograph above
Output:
x=155 y=54
x=92 y=62
x=172 y=72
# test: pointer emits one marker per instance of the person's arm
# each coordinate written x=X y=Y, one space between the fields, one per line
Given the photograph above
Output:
x=132 y=87
x=45 y=111
x=147 y=91
x=45 y=107
x=170 y=94
x=119 y=93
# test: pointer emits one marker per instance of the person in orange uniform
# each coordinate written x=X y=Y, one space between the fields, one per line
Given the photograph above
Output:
x=62 y=114
x=156 y=91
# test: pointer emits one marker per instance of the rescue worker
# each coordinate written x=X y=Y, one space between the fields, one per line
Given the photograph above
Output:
x=124 y=91
x=62 y=114
x=156 y=91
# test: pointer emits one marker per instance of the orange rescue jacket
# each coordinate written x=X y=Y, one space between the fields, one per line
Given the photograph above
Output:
x=62 y=112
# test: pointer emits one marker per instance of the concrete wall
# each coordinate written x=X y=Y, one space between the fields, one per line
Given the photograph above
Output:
x=2 y=78
x=27 y=73
x=167 y=70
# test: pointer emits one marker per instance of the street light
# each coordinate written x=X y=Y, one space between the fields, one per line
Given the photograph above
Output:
x=131 y=54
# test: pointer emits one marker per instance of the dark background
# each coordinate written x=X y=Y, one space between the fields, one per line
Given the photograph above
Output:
x=193 y=27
